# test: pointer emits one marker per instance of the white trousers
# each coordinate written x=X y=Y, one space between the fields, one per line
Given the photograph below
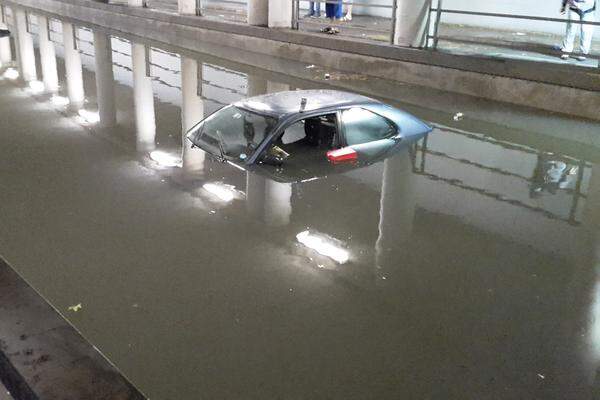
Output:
x=586 y=32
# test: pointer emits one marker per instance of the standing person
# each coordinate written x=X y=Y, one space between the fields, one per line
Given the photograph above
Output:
x=583 y=10
x=348 y=16
x=315 y=9
x=333 y=9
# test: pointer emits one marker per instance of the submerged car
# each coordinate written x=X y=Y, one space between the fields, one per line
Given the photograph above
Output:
x=306 y=133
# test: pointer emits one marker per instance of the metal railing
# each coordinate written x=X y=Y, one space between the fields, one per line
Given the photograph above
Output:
x=296 y=19
x=432 y=35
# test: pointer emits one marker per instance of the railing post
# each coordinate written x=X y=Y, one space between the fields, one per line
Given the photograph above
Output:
x=296 y=14
x=428 y=25
x=199 y=8
x=436 y=28
x=394 y=17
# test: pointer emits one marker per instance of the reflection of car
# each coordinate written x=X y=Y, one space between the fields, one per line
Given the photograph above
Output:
x=306 y=133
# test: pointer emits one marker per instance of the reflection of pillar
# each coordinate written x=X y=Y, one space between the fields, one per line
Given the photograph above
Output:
x=143 y=98
x=280 y=14
x=588 y=281
x=192 y=112
x=48 y=56
x=135 y=3
x=411 y=19
x=105 y=90
x=278 y=203
x=5 y=50
x=255 y=195
x=397 y=206
x=25 y=43
x=73 y=67
x=258 y=12
x=186 y=7
x=256 y=85
x=274 y=87
x=268 y=200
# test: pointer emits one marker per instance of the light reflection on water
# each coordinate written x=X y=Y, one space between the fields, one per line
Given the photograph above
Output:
x=463 y=250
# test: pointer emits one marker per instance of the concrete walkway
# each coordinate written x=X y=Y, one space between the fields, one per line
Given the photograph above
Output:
x=456 y=39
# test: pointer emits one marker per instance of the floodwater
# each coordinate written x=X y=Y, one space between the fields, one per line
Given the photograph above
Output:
x=463 y=267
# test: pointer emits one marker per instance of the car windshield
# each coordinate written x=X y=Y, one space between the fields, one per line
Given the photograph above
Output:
x=232 y=132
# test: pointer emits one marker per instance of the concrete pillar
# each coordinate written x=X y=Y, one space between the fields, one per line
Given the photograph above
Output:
x=105 y=86
x=47 y=56
x=186 y=7
x=135 y=3
x=25 y=44
x=256 y=85
x=411 y=20
x=73 y=67
x=143 y=97
x=397 y=210
x=258 y=12
x=280 y=14
x=5 y=50
x=192 y=112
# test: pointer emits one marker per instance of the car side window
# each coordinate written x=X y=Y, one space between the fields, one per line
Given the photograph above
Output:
x=363 y=126
x=304 y=140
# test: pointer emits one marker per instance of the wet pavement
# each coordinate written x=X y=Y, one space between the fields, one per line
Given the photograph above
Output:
x=465 y=266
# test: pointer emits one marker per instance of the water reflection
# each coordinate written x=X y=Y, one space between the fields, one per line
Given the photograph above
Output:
x=479 y=245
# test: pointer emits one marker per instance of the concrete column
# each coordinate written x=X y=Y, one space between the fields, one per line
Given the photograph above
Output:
x=47 y=56
x=73 y=67
x=411 y=20
x=143 y=98
x=192 y=112
x=187 y=7
x=256 y=85
x=258 y=12
x=5 y=50
x=25 y=44
x=135 y=3
x=105 y=83
x=397 y=210
x=280 y=14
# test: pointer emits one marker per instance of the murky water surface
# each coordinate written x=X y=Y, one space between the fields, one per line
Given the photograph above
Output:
x=463 y=267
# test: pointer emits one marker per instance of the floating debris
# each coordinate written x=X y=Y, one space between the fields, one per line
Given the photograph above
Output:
x=458 y=116
x=75 y=308
x=327 y=76
x=311 y=66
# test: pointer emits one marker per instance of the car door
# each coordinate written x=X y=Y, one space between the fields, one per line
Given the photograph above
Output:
x=369 y=134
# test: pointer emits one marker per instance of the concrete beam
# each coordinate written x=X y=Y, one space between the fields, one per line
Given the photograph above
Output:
x=47 y=56
x=135 y=3
x=143 y=97
x=258 y=12
x=27 y=63
x=5 y=49
x=280 y=14
x=105 y=85
x=411 y=21
x=192 y=112
x=186 y=7
x=73 y=67
x=43 y=357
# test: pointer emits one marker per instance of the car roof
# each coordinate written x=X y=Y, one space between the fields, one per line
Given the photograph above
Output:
x=286 y=103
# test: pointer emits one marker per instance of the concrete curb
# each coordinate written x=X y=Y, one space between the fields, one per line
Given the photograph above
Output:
x=43 y=357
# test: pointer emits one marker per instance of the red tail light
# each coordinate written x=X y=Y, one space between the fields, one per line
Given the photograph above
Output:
x=341 y=155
